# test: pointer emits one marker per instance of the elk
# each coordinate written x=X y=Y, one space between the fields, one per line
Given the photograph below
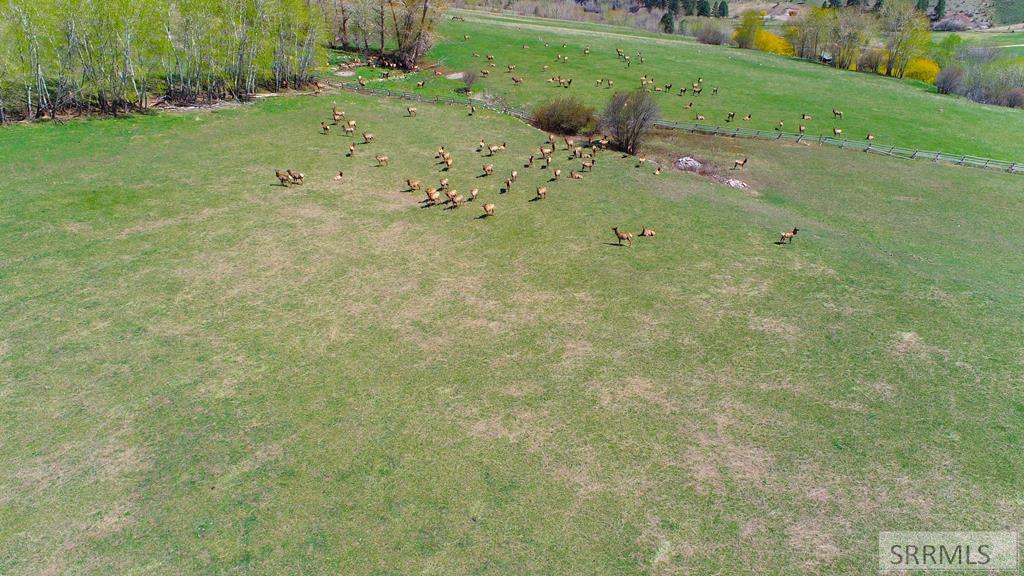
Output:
x=517 y=80
x=805 y=116
x=350 y=130
x=513 y=176
x=382 y=160
x=411 y=110
x=339 y=175
x=472 y=109
x=647 y=232
x=508 y=185
x=609 y=84
x=457 y=200
x=421 y=83
x=432 y=196
x=325 y=128
x=837 y=132
x=657 y=171
x=714 y=91
x=598 y=83
x=485 y=72
x=542 y=192
x=837 y=113
x=362 y=82
x=488 y=169
x=739 y=164
x=490 y=57
x=569 y=143
x=529 y=162
x=546 y=152
x=413 y=184
x=700 y=117
x=588 y=166
x=575 y=175
x=640 y=160
x=620 y=236
x=748 y=117
x=488 y=210
x=493 y=149
x=351 y=150
x=511 y=67
x=444 y=184
x=336 y=115
x=698 y=90
x=283 y=177
x=803 y=129
x=368 y=137
x=473 y=193
x=870 y=137
x=448 y=162
x=730 y=117
x=297 y=177
x=558 y=174
x=787 y=237
x=465 y=36
x=688 y=106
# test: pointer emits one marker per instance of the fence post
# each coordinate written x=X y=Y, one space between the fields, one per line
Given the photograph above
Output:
x=1012 y=166
x=914 y=155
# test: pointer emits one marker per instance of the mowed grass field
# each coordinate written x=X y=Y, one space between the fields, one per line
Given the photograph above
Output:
x=770 y=88
x=204 y=372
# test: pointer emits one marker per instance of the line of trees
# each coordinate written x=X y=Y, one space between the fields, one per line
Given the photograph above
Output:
x=112 y=56
x=846 y=36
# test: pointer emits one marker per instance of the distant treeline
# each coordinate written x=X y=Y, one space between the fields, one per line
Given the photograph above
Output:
x=112 y=56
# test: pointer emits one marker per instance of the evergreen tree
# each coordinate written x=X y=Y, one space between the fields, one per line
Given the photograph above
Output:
x=689 y=6
x=853 y=2
x=703 y=8
x=723 y=9
x=668 y=23
x=922 y=5
x=878 y=5
x=714 y=9
x=674 y=7
x=940 y=10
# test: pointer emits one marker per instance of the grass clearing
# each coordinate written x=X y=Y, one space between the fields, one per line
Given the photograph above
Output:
x=205 y=372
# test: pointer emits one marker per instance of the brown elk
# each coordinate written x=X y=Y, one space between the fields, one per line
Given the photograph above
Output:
x=739 y=164
x=413 y=184
x=325 y=128
x=837 y=113
x=748 y=117
x=432 y=196
x=339 y=175
x=837 y=132
x=781 y=125
x=657 y=171
x=488 y=210
x=513 y=176
x=421 y=83
x=382 y=160
x=448 y=162
x=283 y=177
x=488 y=169
x=647 y=232
x=457 y=200
x=542 y=192
x=297 y=177
x=529 y=162
x=787 y=237
x=803 y=129
x=575 y=175
x=730 y=117
x=473 y=193
x=517 y=80
x=805 y=116
x=870 y=137
x=411 y=110
x=444 y=184
x=620 y=236
x=588 y=166
x=493 y=149
x=700 y=117
x=351 y=150
x=558 y=174
x=368 y=137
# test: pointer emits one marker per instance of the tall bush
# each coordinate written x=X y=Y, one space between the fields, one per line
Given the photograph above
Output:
x=628 y=118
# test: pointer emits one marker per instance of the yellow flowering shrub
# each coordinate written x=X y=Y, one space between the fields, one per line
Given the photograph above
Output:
x=922 y=69
x=771 y=42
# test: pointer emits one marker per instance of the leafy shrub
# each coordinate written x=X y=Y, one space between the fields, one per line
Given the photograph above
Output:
x=950 y=80
x=873 y=60
x=1014 y=98
x=565 y=115
x=771 y=42
x=629 y=117
x=950 y=25
x=922 y=69
x=469 y=77
x=713 y=34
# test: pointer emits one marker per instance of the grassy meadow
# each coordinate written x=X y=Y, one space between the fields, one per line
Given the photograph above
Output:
x=770 y=88
x=204 y=372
